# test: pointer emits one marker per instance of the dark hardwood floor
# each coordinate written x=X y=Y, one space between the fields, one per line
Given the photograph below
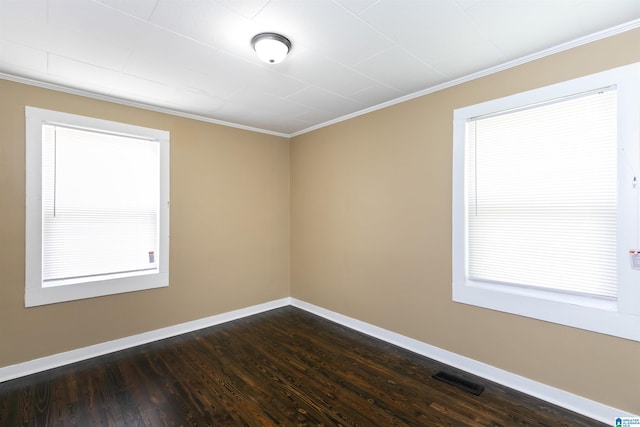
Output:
x=282 y=367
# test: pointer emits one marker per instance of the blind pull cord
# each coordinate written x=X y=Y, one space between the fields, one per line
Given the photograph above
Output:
x=634 y=184
x=637 y=221
x=475 y=160
x=55 y=168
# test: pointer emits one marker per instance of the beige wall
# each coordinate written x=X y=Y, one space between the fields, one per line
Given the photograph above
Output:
x=229 y=230
x=371 y=234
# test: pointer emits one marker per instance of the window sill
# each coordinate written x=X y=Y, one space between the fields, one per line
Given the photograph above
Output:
x=590 y=314
x=36 y=296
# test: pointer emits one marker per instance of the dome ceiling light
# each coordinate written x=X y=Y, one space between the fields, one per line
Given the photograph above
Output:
x=272 y=48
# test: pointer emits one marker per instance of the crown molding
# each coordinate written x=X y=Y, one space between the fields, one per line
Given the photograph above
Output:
x=628 y=26
x=483 y=73
x=129 y=103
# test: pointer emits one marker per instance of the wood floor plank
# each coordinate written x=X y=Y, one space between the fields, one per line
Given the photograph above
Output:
x=285 y=367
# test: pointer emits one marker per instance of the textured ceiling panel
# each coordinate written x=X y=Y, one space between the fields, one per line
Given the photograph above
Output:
x=195 y=56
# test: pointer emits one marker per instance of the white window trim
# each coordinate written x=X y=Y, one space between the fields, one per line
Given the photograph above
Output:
x=35 y=293
x=621 y=318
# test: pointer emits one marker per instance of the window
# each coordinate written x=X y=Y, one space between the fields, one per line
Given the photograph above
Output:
x=546 y=206
x=97 y=207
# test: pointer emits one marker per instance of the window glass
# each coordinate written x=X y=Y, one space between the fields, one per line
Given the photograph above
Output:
x=541 y=196
x=100 y=201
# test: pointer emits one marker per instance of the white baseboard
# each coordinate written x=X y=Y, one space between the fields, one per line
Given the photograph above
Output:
x=572 y=402
x=567 y=400
x=42 y=364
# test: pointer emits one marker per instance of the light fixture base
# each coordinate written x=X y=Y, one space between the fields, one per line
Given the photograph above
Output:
x=272 y=48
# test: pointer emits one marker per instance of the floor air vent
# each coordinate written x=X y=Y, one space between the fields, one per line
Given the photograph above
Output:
x=461 y=383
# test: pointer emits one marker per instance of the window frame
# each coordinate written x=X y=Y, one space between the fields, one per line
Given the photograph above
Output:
x=36 y=293
x=619 y=318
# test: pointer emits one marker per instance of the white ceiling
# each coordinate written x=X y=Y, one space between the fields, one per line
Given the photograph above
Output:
x=194 y=57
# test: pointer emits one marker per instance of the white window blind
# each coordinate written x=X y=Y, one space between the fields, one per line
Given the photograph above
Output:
x=541 y=196
x=100 y=205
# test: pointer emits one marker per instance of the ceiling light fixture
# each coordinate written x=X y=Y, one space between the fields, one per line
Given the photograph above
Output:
x=272 y=48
